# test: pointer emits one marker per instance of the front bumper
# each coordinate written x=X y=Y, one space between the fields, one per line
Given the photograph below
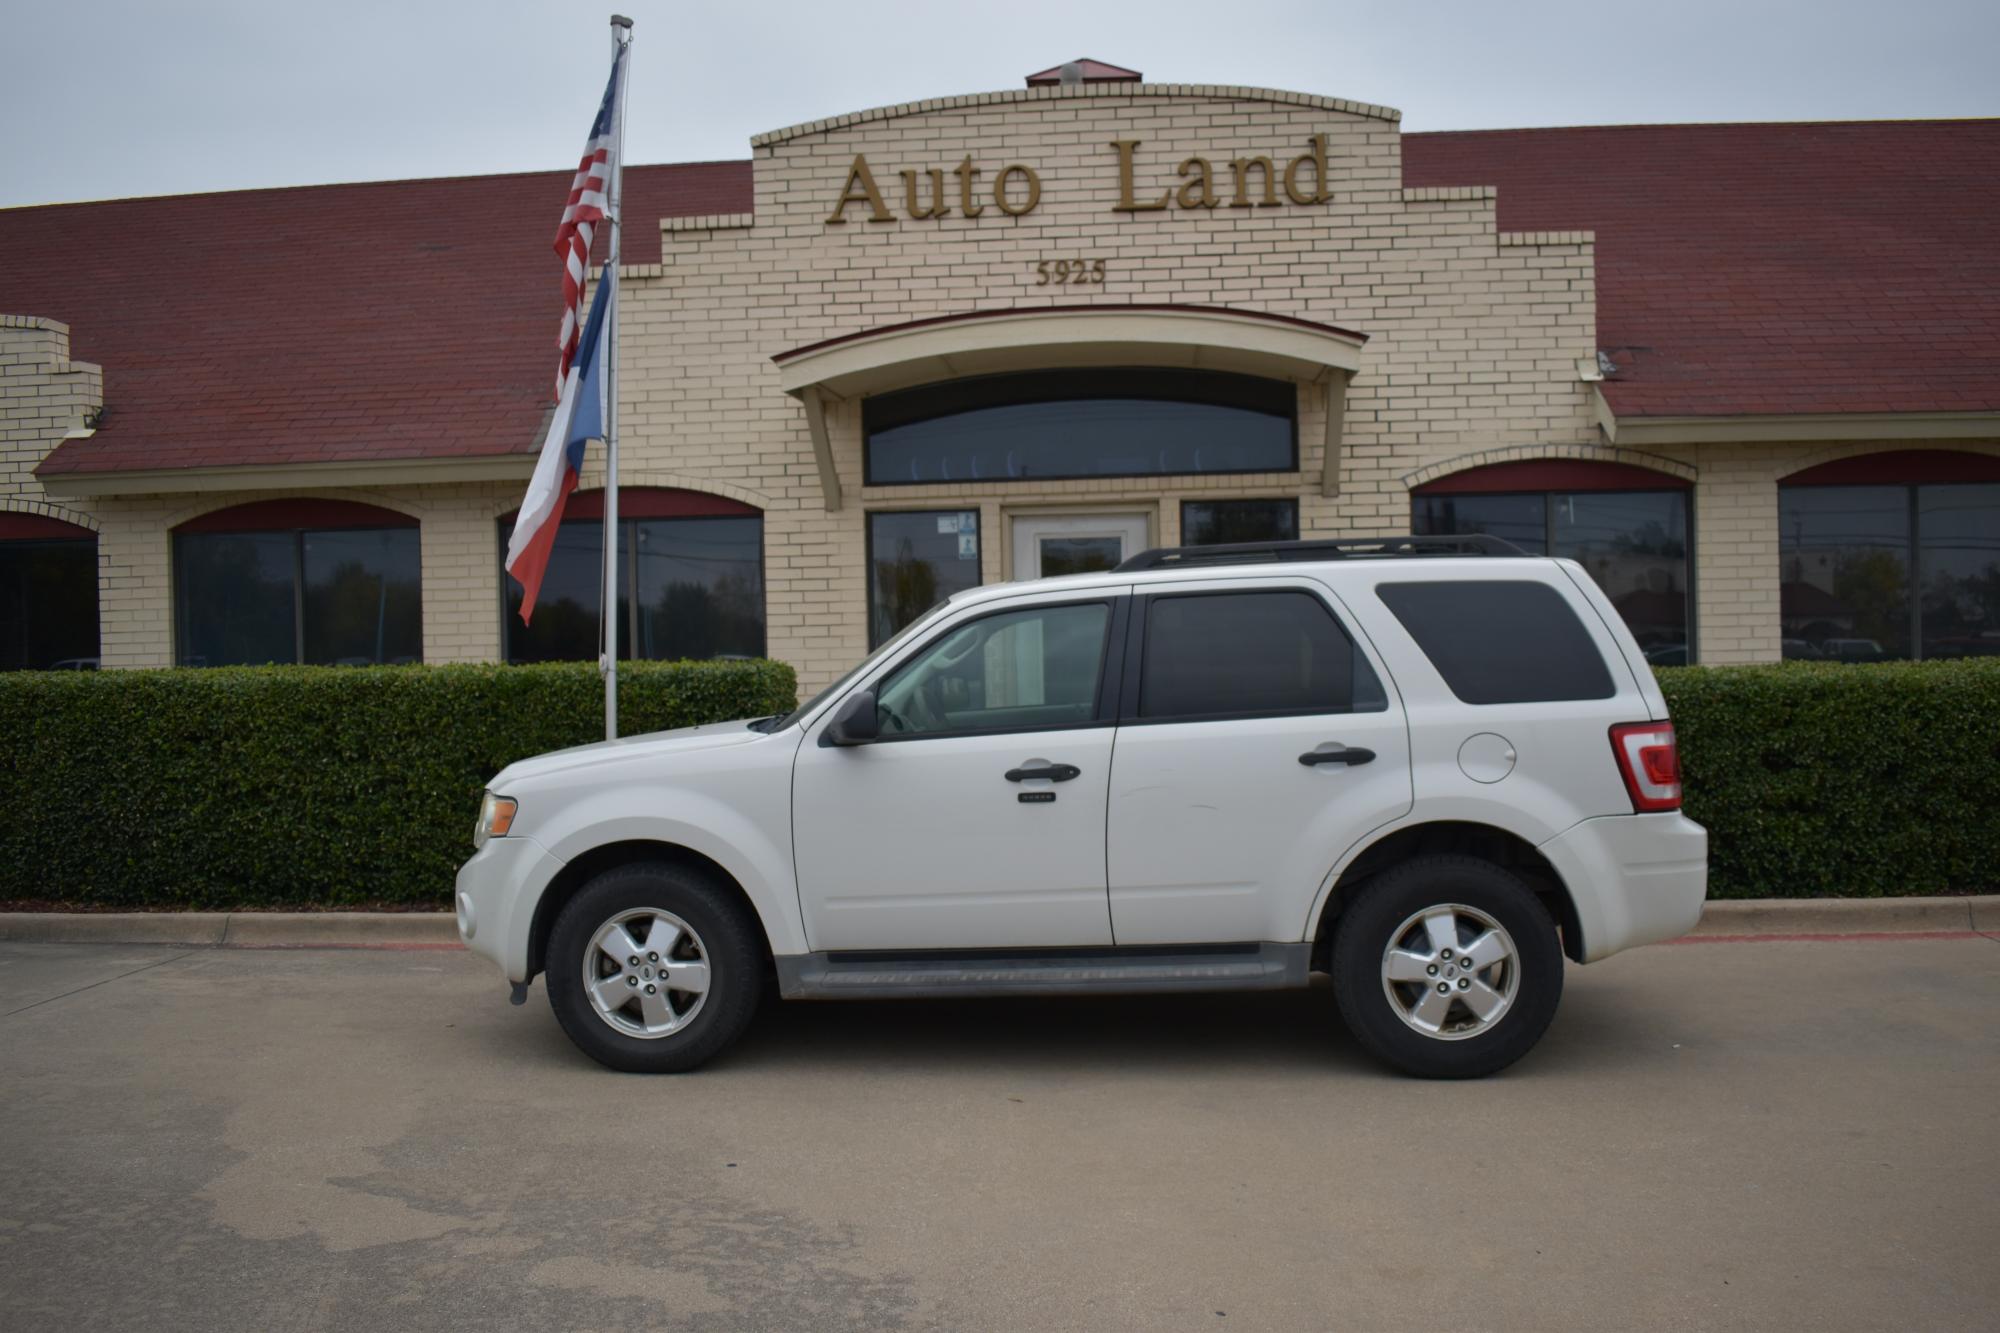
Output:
x=497 y=893
x=1635 y=879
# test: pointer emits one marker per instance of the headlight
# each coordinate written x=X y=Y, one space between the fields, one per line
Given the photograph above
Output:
x=496 y=816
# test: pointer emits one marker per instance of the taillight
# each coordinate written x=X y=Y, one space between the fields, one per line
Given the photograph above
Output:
x=1650 y=763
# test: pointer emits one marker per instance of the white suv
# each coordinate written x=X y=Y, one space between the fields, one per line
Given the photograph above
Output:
x=1428 y=766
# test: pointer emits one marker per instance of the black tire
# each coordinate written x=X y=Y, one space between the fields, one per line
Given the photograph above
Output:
x=729 y=941
x=1381 y=910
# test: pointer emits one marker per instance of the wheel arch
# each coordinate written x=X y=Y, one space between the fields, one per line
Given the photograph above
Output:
x=609 y=856
x=1508 y=850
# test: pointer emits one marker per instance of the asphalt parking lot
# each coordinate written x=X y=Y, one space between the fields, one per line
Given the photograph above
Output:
x=1714 y=1135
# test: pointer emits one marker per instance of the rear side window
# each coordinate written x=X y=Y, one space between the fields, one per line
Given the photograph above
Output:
x=1251 y=654
x=1501 y=642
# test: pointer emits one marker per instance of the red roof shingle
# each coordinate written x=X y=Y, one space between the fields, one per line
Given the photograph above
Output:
x=405 y=319
x=1761 y=269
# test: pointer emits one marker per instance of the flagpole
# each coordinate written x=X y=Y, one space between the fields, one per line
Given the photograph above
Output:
x=621 y=38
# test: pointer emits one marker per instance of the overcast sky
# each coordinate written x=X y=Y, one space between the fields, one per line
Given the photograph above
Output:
x=134 y=97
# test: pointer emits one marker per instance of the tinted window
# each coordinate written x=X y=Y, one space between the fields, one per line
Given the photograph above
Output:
x=1248 y=654
x=1032 y=668
x=238 y=597
x=48 y=604
x=1501 y=642
x=687 y=588
x=916 y=560
x=1080 y=423
x=1633 y=543
x=1869 y=573
x=1214 y=522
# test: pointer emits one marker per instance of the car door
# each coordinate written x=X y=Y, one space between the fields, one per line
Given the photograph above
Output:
x=976 y=820
x=1259 y=739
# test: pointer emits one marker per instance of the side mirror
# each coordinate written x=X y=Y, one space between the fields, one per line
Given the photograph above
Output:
x=856 y=723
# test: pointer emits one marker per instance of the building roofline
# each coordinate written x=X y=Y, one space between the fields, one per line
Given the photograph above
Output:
x=1052 y=92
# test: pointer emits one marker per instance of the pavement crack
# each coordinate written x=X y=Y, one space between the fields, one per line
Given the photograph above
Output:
x=146 y=967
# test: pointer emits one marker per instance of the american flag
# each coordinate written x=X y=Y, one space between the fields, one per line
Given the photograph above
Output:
x=587 y=207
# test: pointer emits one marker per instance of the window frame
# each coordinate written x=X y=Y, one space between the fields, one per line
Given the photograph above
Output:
x=1685 y=491
x=868 y=517
x=83 y=537
x=1135 y=653
x=628 y=568
x=298 y=536
x=870 y=478
x=1110 y=670
x=1298 y=529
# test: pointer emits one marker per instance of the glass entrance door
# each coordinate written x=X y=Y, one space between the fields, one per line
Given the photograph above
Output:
x=1075 y=543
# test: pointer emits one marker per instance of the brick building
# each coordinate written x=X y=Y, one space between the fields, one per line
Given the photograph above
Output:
x=1749 y=375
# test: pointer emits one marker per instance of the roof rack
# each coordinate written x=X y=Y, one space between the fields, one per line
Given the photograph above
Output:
x=1327 y=548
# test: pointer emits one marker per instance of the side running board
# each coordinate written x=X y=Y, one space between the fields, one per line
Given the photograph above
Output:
x=888 y=976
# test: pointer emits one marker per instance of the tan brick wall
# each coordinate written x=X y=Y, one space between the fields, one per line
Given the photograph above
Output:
x=1473 y=336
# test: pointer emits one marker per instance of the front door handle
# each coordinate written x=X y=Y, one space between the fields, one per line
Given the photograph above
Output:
x=1053 y=772
x=1353 y=754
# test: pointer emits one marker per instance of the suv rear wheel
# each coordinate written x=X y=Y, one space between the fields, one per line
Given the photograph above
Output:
x=1447 y=967
x=654 y=968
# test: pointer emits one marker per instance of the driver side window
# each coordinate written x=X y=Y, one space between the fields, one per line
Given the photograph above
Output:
x=1019 y=669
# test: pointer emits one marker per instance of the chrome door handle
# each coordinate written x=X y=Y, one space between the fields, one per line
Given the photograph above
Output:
x=1353 y=754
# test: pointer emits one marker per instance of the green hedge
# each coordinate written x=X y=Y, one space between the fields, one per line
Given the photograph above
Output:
x=1843 y=780
x=271 y=786
x=266 y=786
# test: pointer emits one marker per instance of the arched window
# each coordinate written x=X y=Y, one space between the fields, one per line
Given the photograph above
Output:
x=1629 y=526
x=1051 y=424
x=48 y=594
x=690 y=570
x=1891 y=555
x=330 y=582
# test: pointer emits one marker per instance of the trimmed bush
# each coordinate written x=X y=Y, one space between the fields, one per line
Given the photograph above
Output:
x=328 y=786
x=300 y=786
x=1823 y=779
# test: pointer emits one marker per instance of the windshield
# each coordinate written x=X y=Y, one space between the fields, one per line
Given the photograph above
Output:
x=894 y=641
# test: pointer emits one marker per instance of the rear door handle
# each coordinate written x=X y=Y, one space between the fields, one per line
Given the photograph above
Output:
x=1053 y=772
x=1353 y=754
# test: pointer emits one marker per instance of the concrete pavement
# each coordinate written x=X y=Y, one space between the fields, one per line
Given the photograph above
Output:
x=1713 y=1135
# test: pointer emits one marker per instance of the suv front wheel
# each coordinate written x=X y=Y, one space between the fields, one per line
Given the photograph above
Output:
x=654 y=968
x=1447 y=967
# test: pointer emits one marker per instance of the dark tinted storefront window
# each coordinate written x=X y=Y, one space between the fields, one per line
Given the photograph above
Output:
x=1218 y=522
x=1081 y=423
x=1634 y=543
x=238 y=597
x=48 y=604
x=689 y=588
x=1875 y=573
x=916 y=560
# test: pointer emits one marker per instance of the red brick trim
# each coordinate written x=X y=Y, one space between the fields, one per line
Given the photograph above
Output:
x=41 y=528
x=1553 y=474
x=1900 y=467
x=287 y=515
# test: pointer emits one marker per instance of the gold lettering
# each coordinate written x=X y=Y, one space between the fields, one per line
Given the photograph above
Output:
x=1027 y=173
x=937 y=207
x=1204 y=179
x=1126 y=204
x=1241 y=166
x=1316 y=158
x=858 y=175
x=967 y=174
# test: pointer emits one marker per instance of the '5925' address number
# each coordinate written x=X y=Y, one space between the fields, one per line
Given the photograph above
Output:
x=1074 y=272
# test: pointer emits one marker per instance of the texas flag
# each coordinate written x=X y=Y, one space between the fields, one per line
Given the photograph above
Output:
x=578 y=419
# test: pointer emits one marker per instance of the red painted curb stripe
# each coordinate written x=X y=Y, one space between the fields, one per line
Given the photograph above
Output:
x=1834 y=938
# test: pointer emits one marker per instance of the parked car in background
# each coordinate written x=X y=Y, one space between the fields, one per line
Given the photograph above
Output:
x=1431 y=767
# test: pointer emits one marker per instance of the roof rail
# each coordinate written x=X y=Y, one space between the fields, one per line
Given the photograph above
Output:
x=1322 y=548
